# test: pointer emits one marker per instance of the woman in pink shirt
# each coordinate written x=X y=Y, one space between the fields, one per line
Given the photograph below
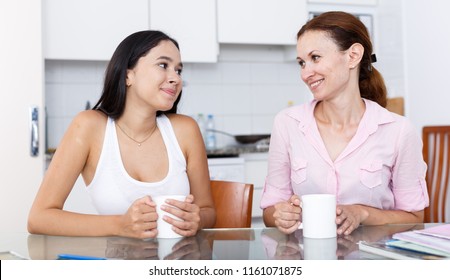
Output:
x=344 y=142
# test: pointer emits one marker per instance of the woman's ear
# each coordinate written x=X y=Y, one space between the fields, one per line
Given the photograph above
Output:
x=355 y=52
x=129 y=77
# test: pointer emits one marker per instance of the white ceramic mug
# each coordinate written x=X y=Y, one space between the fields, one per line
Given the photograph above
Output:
x=319 y=215
x=164 y=228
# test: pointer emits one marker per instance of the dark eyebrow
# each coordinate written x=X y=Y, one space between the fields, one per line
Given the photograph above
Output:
x=163 y=57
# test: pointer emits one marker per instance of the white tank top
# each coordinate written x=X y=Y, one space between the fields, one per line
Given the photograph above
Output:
x=113 y=190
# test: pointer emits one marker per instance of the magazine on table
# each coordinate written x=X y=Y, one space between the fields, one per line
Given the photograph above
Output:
x=416 y=247
x=429 y=243
x=438 y=243
x=381 y=248
x=442 y=231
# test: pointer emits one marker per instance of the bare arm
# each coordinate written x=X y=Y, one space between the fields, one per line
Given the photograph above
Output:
x=191 y=142
x=349 y=217
x=47 y=215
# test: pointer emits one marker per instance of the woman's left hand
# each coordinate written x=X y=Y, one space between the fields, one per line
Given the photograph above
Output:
x=187 y=211
x=348 y=218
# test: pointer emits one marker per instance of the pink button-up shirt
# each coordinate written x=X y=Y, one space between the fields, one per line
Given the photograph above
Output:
x=382 y=166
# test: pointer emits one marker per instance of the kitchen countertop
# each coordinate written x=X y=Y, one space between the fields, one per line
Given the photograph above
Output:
x=226 y=151
x=235 y=151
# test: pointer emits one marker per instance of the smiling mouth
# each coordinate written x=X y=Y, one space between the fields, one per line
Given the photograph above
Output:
x=171 y=92
x=316 y=84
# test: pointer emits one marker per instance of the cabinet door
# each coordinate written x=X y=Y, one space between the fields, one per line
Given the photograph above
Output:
x=90 y=30
x=22 y=80
x=260 y=21
x=192 y=23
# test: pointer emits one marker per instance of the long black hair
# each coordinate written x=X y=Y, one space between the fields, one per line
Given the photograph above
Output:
x=125 y=57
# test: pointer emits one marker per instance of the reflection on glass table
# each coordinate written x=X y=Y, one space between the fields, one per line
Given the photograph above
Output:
x=214 y=244
x=294 y=246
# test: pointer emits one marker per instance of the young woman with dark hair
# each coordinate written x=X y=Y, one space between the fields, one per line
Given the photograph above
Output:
x=131 y=147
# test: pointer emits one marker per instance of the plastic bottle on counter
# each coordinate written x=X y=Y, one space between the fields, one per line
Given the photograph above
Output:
x=210 y=133
x=202 y=125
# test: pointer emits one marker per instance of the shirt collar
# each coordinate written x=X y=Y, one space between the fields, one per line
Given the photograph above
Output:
x=374 y=116
x=304 y=114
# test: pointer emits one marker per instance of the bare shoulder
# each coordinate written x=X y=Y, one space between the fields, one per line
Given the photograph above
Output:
x=89 y=119
x=87 y=126
x=84 y=135
x=187 y=132
x=182 y=123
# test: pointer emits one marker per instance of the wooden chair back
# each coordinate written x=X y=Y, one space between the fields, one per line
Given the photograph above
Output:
x=233 y=202
x=436 y=152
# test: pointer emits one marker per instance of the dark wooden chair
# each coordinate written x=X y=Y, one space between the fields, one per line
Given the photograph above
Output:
x=436 y=152
x=233 y=202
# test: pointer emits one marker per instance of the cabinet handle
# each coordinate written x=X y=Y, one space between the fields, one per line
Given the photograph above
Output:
x=34 y=131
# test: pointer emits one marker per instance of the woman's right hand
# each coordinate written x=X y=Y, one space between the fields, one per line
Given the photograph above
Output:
x=288 y=214
x=140 y=219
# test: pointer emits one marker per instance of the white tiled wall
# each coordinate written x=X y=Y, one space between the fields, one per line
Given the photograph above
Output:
x=68 y=86
x=243 y=91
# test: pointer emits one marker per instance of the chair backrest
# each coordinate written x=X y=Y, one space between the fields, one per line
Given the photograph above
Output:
x=436 y=152
x=233 y=202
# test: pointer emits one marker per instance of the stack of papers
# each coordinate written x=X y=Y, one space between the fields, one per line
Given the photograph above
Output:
x=429 y=243
x=442 y=231
x=437 y=238
x=384 y=250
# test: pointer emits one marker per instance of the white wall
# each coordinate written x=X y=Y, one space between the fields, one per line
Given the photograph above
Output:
x=427 y=56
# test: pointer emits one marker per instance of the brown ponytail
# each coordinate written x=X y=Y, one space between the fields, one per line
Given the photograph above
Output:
x=345 y=29
x=373 y=88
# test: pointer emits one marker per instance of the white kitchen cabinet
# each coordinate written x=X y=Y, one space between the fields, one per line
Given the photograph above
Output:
x=346 y=2
x=260 y=21
x=227 y=169
x=90 y=30
x=192 y=23
x=255 y=173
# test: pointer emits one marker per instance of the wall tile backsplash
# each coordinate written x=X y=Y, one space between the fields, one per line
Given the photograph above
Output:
x=243 y=95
